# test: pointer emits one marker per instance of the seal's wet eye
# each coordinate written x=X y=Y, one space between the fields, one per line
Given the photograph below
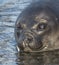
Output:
x=19 y=26
x=41 y=26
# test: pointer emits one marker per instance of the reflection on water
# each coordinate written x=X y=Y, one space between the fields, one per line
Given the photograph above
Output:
x=29 y=59
x=43 y=58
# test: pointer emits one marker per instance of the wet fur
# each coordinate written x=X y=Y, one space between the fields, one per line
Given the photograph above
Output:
x=49 y=37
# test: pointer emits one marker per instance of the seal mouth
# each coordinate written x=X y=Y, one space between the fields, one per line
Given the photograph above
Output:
x=27 y=48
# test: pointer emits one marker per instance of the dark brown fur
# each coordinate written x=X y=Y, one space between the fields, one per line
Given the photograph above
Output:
x=37 y=28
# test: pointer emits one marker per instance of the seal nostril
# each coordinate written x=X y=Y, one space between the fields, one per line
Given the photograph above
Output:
x=29 y=40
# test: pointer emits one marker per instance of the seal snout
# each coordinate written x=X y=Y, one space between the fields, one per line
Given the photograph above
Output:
x=32 y=41
x=29 y=38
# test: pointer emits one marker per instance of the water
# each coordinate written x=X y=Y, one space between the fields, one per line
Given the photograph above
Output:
x=9 y=11
x=43 y=58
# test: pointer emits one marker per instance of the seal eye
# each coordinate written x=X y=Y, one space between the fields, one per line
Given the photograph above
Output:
x=41 y=26
x=19 y=26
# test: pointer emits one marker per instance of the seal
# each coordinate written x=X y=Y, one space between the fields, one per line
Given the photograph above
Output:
x=37 y=28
